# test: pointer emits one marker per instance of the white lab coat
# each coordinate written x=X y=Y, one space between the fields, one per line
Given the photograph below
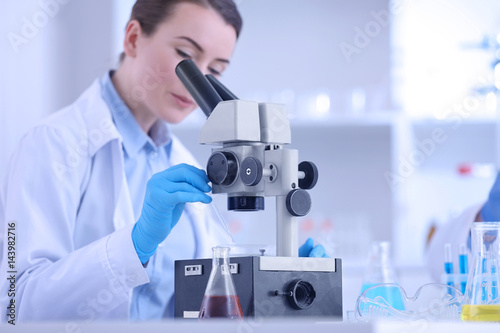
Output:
x=456 y=232
x=66 y=190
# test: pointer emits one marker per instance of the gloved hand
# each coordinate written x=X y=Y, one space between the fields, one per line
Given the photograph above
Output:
x=309 y=250
x=491 y=209
x=166 y=195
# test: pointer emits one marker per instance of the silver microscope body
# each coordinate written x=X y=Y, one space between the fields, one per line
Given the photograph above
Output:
x=250 y=163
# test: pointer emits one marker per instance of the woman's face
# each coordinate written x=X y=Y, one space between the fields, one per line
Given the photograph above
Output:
x=190 y=32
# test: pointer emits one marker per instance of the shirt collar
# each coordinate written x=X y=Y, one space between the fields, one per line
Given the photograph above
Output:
x=134 y=138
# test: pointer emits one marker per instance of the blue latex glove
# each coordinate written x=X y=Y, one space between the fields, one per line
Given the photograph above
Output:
x=166 y=195
x=309 y=250
x=491 y=209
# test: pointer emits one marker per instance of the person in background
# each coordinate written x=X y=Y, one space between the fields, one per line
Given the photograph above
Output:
x=104 y=198
x=457 y=231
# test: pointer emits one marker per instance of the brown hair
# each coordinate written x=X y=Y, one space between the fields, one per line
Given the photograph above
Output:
x=151 y=13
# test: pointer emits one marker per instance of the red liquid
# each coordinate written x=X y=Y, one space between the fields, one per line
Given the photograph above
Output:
x=221 y=307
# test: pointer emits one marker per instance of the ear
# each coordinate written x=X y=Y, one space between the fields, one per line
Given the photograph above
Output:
x=132 y=33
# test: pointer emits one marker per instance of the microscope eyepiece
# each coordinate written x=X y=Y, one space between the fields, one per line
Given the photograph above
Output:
x=198 y=86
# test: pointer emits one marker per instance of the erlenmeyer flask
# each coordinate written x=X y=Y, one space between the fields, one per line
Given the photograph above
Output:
x=482 y=302
x=220 y=300
x=381 y=271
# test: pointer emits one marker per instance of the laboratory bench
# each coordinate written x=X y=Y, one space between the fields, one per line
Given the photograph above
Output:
x=251 y=326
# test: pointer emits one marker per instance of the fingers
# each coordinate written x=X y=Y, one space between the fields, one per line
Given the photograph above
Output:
x=182 y=173
x=309 y=250
x=306 y=248
x=317 y=252
x=171 y=187
x=180 y=197
x=192 y=197
x=188 y=168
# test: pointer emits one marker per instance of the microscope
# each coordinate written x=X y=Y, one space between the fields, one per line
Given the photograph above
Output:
x=248 y=164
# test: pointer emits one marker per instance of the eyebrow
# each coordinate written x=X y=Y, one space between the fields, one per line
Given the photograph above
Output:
x=199 y=48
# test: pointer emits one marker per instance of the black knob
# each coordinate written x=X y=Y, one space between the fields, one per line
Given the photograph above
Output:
x=251 y=171
x=298 y=202
x=222 y=168
x=311 y=178
x=301 y=294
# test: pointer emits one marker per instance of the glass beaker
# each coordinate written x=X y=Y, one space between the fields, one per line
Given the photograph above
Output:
x=381 y=271
x=220 y=300
x=482 y=302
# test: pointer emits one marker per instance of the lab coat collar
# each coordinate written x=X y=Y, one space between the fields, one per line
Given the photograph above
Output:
x=97 y=118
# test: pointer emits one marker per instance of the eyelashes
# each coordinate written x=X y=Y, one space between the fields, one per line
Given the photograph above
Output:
x=184 y=55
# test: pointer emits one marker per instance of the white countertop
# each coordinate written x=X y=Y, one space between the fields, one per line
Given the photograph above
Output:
x=251 y=326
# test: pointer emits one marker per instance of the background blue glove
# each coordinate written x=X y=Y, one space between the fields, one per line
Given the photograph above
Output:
x=309 y=250
x=166 y=195
x=491 y=209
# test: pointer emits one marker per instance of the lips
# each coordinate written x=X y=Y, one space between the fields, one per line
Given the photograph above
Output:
x=183 y=102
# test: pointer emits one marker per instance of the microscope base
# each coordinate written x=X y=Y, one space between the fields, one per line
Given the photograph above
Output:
x=267 y=286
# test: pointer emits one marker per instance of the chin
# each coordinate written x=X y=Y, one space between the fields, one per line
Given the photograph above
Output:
x=176 y=116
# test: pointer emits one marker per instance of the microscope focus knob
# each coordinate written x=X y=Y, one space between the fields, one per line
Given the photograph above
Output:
x=311 y=175
x=298 y=202
x=300 y=294
x=251 y=171
x=222 y=168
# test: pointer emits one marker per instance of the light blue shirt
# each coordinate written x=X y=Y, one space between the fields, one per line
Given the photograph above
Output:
x=145 y=155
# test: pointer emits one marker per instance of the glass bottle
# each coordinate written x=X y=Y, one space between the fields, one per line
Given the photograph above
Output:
x=379 y=271
x=220 y=300
x=482 y=301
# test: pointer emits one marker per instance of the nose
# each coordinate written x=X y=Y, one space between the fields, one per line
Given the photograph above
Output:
x=203 y=66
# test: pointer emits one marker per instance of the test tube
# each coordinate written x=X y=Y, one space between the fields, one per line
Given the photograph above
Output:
x=494 y=285
x=484 y=284
x=448 y=263
x=463 y=266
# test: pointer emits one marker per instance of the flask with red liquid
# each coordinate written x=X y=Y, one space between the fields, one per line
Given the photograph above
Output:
x=220 y=300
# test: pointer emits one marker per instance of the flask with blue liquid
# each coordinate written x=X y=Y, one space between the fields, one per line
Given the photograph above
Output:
x=380 y=271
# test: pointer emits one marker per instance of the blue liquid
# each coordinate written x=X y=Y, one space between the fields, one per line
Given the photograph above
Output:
x=494 y=285
x=448 y=269
x=464 y=269
x=391 y=294
x=484 y=291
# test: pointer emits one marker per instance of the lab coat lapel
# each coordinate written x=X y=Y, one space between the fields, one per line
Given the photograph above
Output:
x=101 y=132
x=124 y=214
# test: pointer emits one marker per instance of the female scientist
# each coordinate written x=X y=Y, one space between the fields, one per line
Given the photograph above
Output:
x=457 y=231
x=95 y=189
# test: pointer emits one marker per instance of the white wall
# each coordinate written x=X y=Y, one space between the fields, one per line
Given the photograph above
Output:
x=71 y=44
x=295 y=45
